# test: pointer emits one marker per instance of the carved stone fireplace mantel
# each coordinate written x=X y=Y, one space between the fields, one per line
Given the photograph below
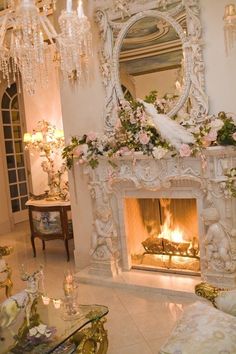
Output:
x=139 y=176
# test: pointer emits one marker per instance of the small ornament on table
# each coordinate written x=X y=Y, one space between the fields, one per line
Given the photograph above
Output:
x=70 y=301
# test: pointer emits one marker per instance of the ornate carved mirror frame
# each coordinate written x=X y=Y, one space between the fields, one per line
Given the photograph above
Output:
x=115 y=22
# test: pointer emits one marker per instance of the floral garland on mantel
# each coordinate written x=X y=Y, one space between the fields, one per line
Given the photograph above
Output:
x=135 y=132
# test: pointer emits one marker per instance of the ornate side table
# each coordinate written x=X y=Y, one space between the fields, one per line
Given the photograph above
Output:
x=50 y=220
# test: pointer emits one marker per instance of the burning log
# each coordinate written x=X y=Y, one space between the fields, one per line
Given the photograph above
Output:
x=153 y=245
x=160 y=245
x=175 y=247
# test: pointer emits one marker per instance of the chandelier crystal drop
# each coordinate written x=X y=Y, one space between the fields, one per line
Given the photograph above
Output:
x=33 y=43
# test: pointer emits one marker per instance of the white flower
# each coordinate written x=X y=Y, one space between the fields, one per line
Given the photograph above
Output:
x=216 y=124
x=159 y=152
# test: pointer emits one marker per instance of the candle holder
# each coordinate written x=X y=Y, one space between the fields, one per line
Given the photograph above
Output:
x=49 y=142
x=70 y=301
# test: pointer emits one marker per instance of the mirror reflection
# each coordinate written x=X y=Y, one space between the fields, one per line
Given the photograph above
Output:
x=151 y=59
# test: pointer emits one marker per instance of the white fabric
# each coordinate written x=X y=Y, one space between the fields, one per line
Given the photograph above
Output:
x=226 y=301
x=202 y=329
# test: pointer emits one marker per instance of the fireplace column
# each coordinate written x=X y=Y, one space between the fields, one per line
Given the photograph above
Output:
x=104 y=252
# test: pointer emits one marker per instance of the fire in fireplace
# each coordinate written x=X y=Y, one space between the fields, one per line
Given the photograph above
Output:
x=163 y=234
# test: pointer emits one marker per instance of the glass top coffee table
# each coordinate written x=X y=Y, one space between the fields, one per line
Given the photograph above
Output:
x=46 y=331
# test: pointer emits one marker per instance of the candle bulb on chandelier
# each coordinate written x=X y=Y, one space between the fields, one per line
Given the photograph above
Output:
x=80 y=10
x=69 y=6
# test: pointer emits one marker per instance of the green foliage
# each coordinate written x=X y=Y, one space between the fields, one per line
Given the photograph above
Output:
x=225 y=134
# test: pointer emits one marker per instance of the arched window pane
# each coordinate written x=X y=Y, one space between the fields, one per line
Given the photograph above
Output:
x=5 y=101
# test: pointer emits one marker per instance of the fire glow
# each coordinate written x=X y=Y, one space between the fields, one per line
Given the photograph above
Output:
x=174 y=235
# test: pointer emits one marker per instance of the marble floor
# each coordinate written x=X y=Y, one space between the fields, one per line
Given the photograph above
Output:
x=139 y=320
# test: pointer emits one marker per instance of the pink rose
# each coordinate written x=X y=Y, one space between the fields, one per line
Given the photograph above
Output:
x=211 y=136
x=184 y=150
x=91 y=136
x=143 y=138
x=124 y=150
x=234 y=136
x=205 y=143
x=81 y=150
x=78 y=151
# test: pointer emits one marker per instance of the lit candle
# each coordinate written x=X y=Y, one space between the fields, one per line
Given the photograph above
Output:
x=27 y=138
x=80 y=10
x=57 y=303
x=69 y=278
x=46 y=300
x=69 y=6
x=38 y=137
x=59 y=134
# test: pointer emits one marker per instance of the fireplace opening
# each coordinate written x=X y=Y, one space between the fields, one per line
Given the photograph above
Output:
x=163 y=234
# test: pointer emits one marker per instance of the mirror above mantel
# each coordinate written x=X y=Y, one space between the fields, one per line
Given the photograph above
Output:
x=153 y=48
x=151 y=59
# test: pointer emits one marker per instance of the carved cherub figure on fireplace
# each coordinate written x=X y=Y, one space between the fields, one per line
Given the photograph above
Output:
x=104 y=235
x=217 y=242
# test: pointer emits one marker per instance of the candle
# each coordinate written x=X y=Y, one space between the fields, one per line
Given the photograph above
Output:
x=80 y=10
x=46 y=300
x=69 y=6
x=38 y=137
x=69 y=278
x=57 y=303
x=59 y=134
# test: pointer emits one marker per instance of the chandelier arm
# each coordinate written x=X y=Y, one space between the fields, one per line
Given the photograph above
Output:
x=48 y=28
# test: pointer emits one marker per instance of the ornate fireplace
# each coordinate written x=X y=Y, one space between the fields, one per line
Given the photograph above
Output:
x=209 y=243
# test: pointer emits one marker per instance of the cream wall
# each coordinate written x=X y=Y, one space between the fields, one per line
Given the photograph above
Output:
x=82 y=109
x=44 y=105
x=220 y=69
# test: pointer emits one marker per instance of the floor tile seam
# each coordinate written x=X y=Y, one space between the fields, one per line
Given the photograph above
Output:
x=131 y=345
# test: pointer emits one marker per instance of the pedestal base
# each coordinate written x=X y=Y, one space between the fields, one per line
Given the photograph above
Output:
x=220 y=280
x=108 y=268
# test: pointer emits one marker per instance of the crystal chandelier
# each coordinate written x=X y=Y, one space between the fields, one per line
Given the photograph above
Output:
x=230 y=27
x=25 y=51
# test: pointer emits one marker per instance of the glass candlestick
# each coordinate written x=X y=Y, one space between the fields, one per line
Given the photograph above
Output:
x=71 y=310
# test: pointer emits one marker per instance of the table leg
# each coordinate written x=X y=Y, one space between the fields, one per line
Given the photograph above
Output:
x=33 y=245
x=43 y=242
x=67 y=249
x=92 y=339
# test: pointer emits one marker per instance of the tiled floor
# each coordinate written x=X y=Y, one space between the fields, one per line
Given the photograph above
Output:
x=138 y=321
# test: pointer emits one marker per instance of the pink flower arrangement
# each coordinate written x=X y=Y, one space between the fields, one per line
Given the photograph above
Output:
x=81 y=150
x=211 y=136
x=184 y=150
x=143 y=138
